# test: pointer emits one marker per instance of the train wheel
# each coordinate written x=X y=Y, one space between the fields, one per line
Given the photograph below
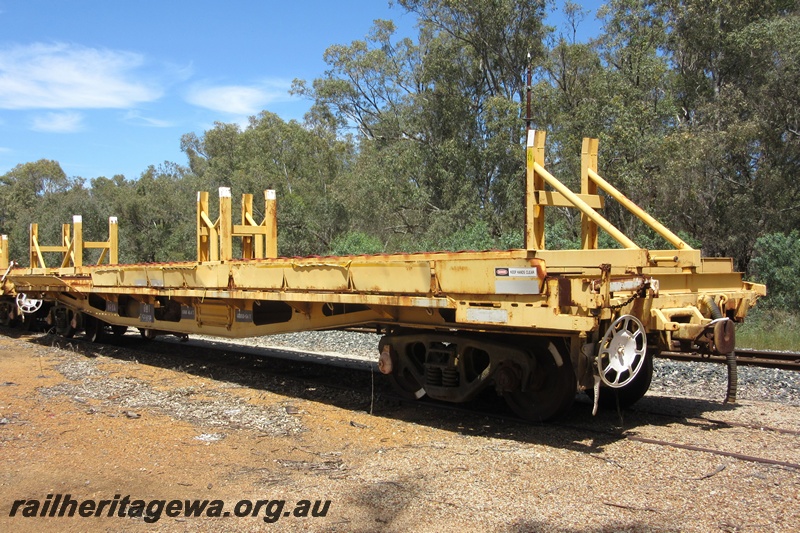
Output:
x=405 y=384
x=630 y=393
x=94 y=328
x=551 y=388
x=622 y=352
x=623 y=364
x=398 y=371
x=6 y=312
x=63 y=319
x=28 y=305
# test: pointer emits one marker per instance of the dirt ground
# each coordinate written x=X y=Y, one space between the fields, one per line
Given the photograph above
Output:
x=115 y=428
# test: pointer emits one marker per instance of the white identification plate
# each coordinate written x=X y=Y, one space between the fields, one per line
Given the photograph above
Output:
x=516 y=280
x=488 y=316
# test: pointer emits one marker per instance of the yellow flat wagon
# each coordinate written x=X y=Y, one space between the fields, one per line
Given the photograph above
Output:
x=534 y=324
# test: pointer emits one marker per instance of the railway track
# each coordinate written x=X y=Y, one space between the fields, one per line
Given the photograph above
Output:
x=744 y=357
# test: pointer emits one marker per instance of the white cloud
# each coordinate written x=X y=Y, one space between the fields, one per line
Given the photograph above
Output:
x=134 y=117
x=239 y=99
x=57 y=76
x=66 y=122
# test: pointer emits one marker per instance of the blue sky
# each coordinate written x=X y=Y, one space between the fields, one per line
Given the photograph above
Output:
x=108 y=87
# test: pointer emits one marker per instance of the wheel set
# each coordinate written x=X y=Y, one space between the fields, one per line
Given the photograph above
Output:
x=535 y=376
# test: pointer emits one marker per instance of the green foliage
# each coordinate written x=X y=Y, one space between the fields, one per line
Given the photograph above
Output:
x=302 y=163
x=777 y=264
x=37 y=192
x=473 y=237
x=156 y=216
x=355 y=243
x=769 y=329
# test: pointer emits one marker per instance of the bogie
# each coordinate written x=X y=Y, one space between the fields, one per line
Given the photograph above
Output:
x=533 y=375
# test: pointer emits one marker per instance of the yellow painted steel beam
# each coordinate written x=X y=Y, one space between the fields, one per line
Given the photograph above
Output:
x=589 y=234
x=659 y=228
x=68 y=252
x=556 y=199
x=35 y=252
x=113 y=241
x=271 y=222
x=215 y=239
x=225 y=225
x=248 y=244
x=77 y=241
x=73 y=245
x=4 y=260
x=534 y=212
x=596 y=217
x=207 y=233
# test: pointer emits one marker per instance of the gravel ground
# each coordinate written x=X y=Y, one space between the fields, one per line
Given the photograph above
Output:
x=94 y=420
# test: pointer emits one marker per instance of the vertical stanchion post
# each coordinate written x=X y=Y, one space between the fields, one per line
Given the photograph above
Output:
x=33 y=237
x=113 y=241
x=225 y=224
x=77 y=241
x=530 y=240
x=534 y=211
x=205 y=236
x=4 y=252
x=271 y=222
x=588 y=186
x=247 y=240
x=259 y=238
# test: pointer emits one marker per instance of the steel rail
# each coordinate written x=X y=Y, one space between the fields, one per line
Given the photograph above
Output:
x=744 y=357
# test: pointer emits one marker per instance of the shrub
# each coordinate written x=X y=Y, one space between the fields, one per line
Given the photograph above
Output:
x=776 y=262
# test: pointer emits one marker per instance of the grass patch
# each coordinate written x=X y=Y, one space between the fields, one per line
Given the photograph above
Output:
x=769 y=329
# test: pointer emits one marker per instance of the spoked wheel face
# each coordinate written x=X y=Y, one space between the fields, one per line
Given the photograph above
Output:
x=28 y=305
x=629 y=394
x=622 y=352
x=551 y=389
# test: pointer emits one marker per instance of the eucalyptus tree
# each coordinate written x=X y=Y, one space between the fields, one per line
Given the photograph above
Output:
x=302 y=162
x=614 y=86
x=736 y=65
x=437 y=118
x=29 y=192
